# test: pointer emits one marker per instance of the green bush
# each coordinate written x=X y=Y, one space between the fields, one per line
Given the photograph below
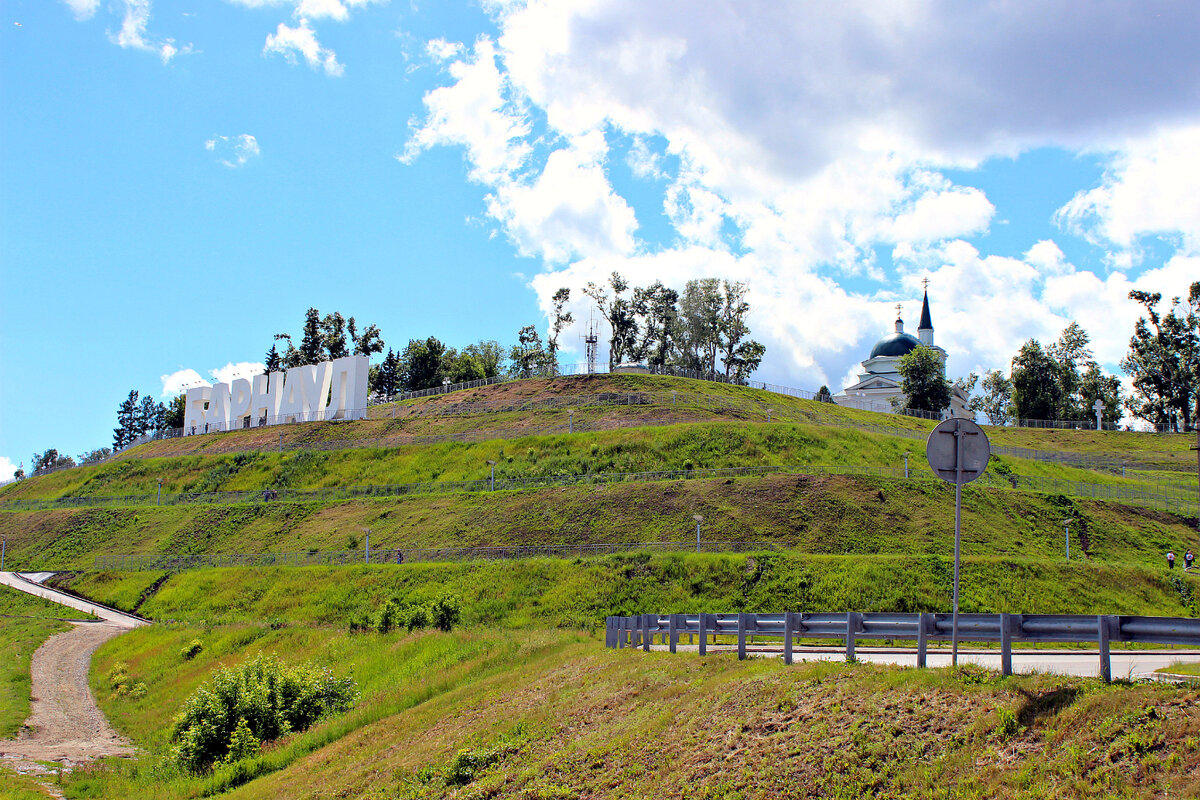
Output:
x=446 y=612
x=267 y=698
x=191 y=649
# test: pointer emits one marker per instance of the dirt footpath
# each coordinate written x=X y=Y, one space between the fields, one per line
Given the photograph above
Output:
x=66 y=726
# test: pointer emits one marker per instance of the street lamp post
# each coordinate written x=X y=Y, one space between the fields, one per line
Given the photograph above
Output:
x=445 y=385
x=768 y=413
x=906 y=455
x=1067 y=536
x=367 y=549
x=698 y=519
x=160 y=491
x=492 y=478
x=570 y=420
x=3 y=550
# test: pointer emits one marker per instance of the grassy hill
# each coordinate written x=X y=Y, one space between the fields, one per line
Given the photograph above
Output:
x=524 y=702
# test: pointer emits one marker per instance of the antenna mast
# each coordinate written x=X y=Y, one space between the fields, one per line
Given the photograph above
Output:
x=592 y=340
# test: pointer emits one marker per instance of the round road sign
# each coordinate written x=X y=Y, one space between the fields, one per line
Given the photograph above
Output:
x=958 y=451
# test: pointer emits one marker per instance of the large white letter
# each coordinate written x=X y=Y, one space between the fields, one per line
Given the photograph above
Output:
x=266 y=395
x=193 y=410
x=239 y=401
x=316 y=389
x=292 y=406
x=349 y=389
x=217 y=416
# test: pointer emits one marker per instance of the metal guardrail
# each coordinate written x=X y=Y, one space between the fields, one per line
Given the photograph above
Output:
x=406 y=555
x=851 y=627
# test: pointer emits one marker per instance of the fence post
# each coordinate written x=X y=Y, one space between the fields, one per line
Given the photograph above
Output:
x=703 y=633
x=646 y=640
x=673 y=628
x=1102 y=623
x=788 y=625
x=1005 y=645
x=853 y=625
x=743 y=619
x=923 y=621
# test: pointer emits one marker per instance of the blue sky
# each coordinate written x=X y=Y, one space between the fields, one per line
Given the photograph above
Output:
x=182 y=180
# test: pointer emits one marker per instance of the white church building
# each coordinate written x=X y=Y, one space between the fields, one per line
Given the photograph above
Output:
x=880 y=379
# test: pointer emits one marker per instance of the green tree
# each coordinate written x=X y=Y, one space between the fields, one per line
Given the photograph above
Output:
x=1095 y=385
x=49 y=460
x=621 y=316
x=92 y=456
x=273 y=362
x=175 y=411
x=528 y=356
x=656 y=306
x=923 y=380
x=996 y=400
x=1164 y=361
x=737 y=352
x=699 y=339
x=388 y=379
x=422 y=364
x=151 y=416
x=489 y=355
x=824 y=395
x=561 y=320
x=312 y=342
x=333 y=337
x=1037 y=389
x=127 y=421
x=368 y=342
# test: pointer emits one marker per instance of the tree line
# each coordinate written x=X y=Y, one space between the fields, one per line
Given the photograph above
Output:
x=1063 y=381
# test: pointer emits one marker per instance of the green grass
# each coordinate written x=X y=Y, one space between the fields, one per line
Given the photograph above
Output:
x=1182 y=668
x=14 y=786
x=25 y=622
x=551 y=714
x=818 y=514
x=546 y=593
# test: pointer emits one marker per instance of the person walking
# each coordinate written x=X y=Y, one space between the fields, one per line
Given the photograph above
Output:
x=1188 y=558
x=1170 y=560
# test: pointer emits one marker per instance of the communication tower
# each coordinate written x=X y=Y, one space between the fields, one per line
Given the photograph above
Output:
x=592 y=340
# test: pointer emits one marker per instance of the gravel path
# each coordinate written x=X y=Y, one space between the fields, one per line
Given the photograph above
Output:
x=66 y=726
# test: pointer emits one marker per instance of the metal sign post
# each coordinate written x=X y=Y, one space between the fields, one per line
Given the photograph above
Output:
x=958 y=452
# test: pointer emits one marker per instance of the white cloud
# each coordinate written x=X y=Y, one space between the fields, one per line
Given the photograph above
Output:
x=132 y=34
x=1149 y=189
x=233 y=151
x=180 y=381
x=302 y=40
x=83 y=9
x=441 y=50
x=475 y=112
x=569 y=210
x=789 y=142
x=7 y=468
x=231 y=371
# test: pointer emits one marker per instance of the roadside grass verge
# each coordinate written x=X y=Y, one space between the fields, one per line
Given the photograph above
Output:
x=548 y=714
x=14 y=786
x=1182 y=668
x=818 y=514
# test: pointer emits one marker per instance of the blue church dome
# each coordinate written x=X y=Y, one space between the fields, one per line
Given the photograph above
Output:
x=894 y=344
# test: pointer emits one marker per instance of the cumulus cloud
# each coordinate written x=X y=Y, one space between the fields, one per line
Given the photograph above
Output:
x=790 y=142
x=181 y=381
x=233 y=151
x=83 y=9
x=7 y=468
x=302 y=41
x=442 y=50
x=1149 y=189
